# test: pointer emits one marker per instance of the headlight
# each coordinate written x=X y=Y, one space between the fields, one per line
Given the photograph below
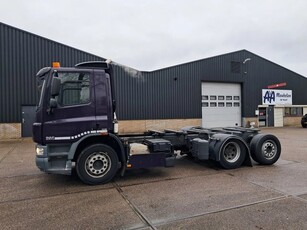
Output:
x=39 y=151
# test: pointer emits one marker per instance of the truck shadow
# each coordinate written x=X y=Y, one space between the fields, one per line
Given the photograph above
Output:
x=185 y=166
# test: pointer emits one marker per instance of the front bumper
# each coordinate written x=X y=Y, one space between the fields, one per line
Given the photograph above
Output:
x=52 y=162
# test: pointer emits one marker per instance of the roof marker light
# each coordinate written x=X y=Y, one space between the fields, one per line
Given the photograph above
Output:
x=56 y=64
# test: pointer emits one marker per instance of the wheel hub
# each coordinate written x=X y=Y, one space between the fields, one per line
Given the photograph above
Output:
x=98 y=164
x=231 y=152
x=269 y=149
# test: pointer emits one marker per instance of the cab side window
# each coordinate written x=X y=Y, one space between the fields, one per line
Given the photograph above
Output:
x=74 y=89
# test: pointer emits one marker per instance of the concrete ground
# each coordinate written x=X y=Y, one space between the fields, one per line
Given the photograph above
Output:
x=195 y=195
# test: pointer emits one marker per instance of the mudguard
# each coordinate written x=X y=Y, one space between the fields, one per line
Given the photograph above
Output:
x=217 y=142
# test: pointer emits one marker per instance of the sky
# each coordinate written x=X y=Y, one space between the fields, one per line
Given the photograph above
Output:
x=153 y=34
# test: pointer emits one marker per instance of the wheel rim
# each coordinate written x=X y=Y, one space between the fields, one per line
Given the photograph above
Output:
x=232 y=152
x=97 y=164
x=269 y=149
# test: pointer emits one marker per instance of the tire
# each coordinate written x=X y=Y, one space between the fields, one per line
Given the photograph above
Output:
x=304 y=125
x=97 y=164
x=232 y=154
x=265 y=149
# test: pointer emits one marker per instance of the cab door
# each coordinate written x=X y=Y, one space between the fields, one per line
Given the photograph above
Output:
x=104 y=111
x=74 y=115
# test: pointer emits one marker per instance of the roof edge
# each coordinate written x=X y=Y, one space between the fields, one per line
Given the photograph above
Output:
x=48 y=39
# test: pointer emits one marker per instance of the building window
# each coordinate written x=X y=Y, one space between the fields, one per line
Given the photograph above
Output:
x=221 y=104
x=228 y=104
x=236 y=104
x=212 y=104
x=235 y=67
x=205 y=97
x=236 y=98
x=212 y=97
x=221 y=98
x=228 y=98
x=205 y=104
x=293 y=112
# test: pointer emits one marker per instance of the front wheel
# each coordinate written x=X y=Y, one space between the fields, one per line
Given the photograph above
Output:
x=232 y=154
x=265 y=149
x=97 y=164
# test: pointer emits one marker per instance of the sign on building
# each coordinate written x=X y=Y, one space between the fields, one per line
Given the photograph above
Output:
x=276 y=97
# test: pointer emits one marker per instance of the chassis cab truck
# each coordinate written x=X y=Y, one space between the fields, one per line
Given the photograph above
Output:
x=76 y=128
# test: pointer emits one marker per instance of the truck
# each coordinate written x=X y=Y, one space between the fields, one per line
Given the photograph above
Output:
x=76 y=129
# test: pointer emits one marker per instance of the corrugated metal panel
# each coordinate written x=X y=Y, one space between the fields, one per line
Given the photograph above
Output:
x=22 y=54
x=173 y=92
x=260 y=74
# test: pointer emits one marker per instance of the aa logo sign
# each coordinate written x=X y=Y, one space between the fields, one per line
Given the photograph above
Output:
x=276 y=97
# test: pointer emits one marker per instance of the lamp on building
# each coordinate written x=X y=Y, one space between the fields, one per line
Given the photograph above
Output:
x=244 y=62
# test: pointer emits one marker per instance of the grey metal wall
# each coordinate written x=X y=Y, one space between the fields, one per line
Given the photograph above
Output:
x=262 y=73
x=22 y=54
x=175 y=92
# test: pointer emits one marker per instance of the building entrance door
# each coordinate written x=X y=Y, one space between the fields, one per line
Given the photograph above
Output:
x=270 y=116
x=28 y=118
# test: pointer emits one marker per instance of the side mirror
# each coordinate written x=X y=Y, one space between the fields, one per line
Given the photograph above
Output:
x=55 y=87
x=52 y=105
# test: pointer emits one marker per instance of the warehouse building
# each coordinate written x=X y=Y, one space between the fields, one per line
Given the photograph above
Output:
x=225 y=90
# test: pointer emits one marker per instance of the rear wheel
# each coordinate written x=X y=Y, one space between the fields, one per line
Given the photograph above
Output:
x=97 y=164
x=265 y=149
x=233 y=153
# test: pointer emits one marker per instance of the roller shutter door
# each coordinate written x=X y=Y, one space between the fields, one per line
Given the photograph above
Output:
x=221 y=104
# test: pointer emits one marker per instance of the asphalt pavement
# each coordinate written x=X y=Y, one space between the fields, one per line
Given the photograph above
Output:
x=193 y=194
